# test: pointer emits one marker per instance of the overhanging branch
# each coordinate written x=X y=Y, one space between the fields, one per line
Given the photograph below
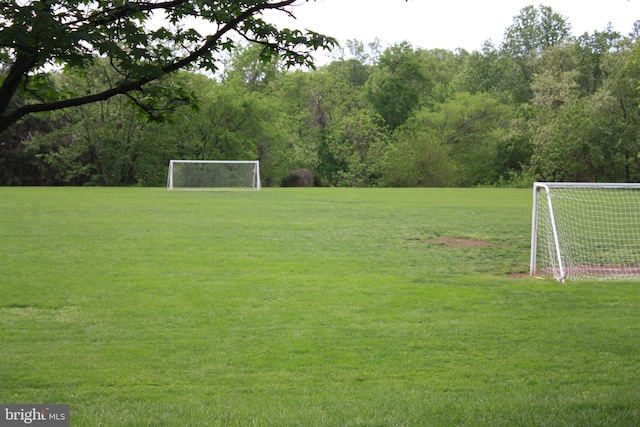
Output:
x=207 y=46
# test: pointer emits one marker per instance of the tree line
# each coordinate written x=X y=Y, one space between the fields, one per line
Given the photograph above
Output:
x=544 y=105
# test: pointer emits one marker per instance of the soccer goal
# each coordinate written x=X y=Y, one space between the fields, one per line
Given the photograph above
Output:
x=585 y=230
x=214 y=174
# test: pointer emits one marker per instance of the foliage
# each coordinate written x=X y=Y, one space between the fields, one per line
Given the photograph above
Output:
x=543 y=105
x=591 y=50
x=399 y=84
x=35 y=35
x=594 y=138
x=353 y=150
x=103 y=143
x=472 y=127
x=298 y=178
x=533 y=31
x=562 y=153
x=480 y=71
x=419 y=158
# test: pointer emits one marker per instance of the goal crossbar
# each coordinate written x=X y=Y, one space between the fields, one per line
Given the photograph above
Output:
x=581 y=230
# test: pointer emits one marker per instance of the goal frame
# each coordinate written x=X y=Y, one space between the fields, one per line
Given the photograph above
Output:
x=256 y=170
x=547 y=187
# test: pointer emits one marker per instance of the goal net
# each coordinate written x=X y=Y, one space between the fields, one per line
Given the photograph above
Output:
x=214 y=174
x=585 y=230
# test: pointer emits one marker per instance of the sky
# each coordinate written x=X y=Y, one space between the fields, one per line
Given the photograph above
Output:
x=448 y=24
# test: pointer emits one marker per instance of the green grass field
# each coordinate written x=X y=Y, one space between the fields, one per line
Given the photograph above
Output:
x=303 y=307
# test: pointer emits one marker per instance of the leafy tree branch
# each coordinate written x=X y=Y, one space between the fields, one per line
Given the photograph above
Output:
x=74 y=33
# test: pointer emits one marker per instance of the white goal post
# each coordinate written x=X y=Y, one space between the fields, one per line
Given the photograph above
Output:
x=214 y=174
x=585 y=230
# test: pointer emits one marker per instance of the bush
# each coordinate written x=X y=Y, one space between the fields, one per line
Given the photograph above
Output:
x=298 y=178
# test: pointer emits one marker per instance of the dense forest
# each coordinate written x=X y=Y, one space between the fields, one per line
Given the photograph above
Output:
x=543 y=104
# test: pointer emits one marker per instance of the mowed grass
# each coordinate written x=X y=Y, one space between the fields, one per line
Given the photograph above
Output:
x=303 y=307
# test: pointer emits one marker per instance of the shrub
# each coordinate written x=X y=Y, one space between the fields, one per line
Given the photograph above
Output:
x=298 y=178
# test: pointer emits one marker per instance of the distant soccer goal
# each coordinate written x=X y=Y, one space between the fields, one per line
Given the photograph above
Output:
x=586 y=231
x=214 y=174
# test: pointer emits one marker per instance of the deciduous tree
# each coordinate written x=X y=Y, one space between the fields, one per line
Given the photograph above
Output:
x=38 y=35
x=533 y=31
x=399 y=84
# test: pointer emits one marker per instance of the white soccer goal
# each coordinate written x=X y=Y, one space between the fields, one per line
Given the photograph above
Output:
x=214 y=174
x=585 y=230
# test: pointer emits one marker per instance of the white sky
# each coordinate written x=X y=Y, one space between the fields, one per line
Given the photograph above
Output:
x=448 y=24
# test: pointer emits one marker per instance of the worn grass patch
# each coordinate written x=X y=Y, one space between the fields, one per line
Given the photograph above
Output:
x=303 y=307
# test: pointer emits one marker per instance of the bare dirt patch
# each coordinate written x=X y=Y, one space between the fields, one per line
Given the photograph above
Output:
x=454 y=242
x=518 y=275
